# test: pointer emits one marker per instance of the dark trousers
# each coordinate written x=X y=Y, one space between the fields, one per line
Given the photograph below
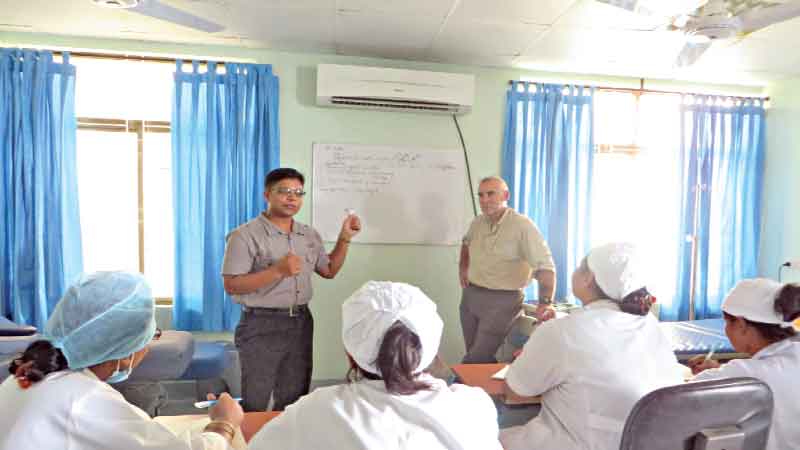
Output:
x=486 y=318
x=275 y=350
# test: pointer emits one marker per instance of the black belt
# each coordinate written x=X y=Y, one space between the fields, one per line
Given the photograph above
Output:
x=292 y=310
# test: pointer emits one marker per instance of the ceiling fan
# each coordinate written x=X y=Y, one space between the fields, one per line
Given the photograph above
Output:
x=705 y=21
x=162 y=11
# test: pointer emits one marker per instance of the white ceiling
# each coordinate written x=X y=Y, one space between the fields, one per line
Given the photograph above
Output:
x=581 y=36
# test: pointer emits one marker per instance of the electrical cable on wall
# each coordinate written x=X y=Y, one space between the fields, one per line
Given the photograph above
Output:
x=466 y=163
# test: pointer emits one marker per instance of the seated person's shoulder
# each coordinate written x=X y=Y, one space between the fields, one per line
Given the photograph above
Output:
x=472 y=398
x=468 y=392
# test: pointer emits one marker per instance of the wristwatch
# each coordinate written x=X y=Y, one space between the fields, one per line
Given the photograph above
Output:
x=545 y=301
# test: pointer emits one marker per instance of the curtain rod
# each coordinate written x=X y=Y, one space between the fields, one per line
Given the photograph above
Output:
x=128 y=57
x=642 y=90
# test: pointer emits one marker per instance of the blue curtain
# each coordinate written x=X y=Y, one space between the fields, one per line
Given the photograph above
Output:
x=225 y=138
x=40 y=240
x=722 y=166
x=547 y=161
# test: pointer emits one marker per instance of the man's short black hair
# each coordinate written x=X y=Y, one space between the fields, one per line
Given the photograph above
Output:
x=282 y=173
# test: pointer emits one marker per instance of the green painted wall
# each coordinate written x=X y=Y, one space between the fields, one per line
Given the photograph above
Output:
x=434 y=269
x=781 y=212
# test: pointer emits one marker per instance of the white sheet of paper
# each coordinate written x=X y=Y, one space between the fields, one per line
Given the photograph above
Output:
x=501 y=374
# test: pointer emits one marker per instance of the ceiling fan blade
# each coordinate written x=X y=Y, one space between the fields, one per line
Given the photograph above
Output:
x=764 y=16
x=157 y=10
x=691 y=53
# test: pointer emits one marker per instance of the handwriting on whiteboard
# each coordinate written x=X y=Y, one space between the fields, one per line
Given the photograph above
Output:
x=358 y=172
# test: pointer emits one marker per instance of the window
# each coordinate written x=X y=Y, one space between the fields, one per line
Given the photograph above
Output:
x=124 y=168
x=636 y=183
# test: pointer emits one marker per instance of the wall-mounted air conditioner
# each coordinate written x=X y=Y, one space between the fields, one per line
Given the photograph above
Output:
x=394 y=89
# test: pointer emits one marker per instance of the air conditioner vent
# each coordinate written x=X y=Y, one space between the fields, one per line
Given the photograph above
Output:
x=394 y=89
x=394 y=104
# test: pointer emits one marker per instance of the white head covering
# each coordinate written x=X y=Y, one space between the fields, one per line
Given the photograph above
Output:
x=371 y=310
x=754 y=300
x=616 y=269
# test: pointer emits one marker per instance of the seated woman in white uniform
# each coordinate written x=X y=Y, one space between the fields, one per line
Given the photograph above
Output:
x=58 y=396
x=593 y=365
x=391 y=332
x=758 y=321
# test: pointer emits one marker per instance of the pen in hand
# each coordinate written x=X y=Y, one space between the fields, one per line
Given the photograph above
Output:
x=210 y=403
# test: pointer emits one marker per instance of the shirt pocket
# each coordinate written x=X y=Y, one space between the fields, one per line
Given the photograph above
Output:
x=264 y=259
x=311 y=255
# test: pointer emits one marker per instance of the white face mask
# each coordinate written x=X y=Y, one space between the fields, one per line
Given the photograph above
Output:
x=119 y=376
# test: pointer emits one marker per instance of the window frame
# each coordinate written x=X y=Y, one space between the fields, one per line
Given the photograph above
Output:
x=140 y=127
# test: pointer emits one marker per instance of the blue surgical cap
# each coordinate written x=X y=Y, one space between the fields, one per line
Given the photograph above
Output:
x=102 y=317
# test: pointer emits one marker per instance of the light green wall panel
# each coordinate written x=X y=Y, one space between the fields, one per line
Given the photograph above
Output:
x=780 y=240
x=434 y=269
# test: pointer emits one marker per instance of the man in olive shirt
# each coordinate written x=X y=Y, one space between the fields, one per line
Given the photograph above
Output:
x=267 y=269
x=502 y=251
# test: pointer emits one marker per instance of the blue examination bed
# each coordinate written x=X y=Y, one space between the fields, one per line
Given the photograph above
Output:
x=689 y=338
x=698 y=337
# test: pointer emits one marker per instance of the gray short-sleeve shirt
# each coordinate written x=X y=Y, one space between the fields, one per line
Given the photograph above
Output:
x=258 y=244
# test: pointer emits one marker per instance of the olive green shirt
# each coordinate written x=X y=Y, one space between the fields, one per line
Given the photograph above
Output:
x=506 y=254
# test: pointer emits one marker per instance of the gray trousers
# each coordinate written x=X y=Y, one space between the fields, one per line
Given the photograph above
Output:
x=275 y=350
x=486 y=317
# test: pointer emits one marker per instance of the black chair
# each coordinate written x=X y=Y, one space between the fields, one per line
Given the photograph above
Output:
x=726 y=414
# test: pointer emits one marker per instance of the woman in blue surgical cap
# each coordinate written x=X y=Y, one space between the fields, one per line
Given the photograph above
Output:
x=58 y=396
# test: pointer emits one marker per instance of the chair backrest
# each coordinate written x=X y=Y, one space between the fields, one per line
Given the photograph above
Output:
x=725 y=414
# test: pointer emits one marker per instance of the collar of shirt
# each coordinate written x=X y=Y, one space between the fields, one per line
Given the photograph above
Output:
x=774 y=348
x=506 y=213
x=271 y=228
x=493 y=227
x=62 y=373
x=602 y=303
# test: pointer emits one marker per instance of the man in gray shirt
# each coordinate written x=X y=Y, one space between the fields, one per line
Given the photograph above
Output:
x=267 y=269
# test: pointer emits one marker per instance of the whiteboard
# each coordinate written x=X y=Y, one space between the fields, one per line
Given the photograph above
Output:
x=402 y=195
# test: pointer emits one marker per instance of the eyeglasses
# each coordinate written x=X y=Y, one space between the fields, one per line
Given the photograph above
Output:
x=299 y=192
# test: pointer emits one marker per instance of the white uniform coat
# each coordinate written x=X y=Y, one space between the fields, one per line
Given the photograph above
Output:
x=590 y=367
x=74 y=410
x=363 y=415
x=777 y=365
